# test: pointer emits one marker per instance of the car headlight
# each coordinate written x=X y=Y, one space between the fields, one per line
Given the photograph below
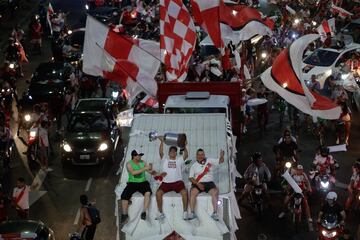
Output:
x=67 y=147
x=27 y=117
x=344 y=76
x=103 y=147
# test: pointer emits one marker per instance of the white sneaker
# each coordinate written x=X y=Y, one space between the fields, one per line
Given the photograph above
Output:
x=160 y=217
x=215 y=216
x=185 y=216
x=281 y=215
x=192 y=216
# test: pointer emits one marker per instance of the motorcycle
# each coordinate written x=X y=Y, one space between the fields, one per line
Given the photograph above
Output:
x=256 y=199
x=296 y=209
x=33 y=145
x=256 y=196
x=329 y=228
x=7 y=95
x=321 y=181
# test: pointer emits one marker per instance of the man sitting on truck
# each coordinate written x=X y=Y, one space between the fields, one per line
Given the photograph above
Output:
x=172 y=181
x=136 y=183
x=201 y=177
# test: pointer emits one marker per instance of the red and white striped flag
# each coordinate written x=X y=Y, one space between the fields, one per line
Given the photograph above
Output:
x=131 y=62
x=342 y=12
x=327 y=26
x=49 y=12
x=225 y=22
x=177 y=38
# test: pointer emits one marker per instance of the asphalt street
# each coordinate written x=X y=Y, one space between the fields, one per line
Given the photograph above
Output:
x=56 y=199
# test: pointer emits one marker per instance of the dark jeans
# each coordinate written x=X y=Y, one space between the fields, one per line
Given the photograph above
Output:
x=88 y=233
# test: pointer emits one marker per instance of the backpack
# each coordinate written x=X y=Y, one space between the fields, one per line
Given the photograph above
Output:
x=94 y=214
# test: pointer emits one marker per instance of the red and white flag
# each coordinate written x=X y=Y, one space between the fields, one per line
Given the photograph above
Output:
x=230 y=22
x=131 y=62
x=177 y=38
x=327 y=26
x=240 y=22
x=206 y=15
x=150 y=101
x=285 y=78
x=49 y=12
x=338 y=10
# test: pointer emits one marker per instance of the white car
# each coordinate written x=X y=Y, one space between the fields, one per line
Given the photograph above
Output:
x=323 y=61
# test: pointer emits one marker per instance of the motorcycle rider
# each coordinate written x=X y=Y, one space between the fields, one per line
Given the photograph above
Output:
x=303 y=182
x=332 y=207
x=285 y=151
x=354 y=186
x=325 y=163
x=5 y=142
x=256 y=174
x=12 y=51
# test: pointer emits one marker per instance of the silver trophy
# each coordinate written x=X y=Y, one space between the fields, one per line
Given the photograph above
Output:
x=171 y=139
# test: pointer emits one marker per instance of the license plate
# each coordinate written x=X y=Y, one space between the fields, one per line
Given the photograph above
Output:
x=84 y=157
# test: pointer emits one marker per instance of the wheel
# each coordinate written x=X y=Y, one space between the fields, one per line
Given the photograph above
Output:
x=297 y=218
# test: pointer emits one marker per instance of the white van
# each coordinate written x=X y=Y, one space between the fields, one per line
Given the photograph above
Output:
x=206 y=131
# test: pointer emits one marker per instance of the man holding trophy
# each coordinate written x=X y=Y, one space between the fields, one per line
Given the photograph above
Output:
x=172 y=176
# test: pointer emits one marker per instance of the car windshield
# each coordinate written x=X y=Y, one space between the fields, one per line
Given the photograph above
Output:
x=322 y=58
x=44 y=76
x=195 y=110
x=88 y=122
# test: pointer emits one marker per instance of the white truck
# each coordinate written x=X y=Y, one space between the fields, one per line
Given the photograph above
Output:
x=206 y=131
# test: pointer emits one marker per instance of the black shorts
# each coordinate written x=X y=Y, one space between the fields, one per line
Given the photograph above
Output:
x=132 y=188
x=207 y=186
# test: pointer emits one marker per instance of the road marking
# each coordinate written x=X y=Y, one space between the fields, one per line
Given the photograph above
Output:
x=77 y=217
x=88 y=184
x=39 y=179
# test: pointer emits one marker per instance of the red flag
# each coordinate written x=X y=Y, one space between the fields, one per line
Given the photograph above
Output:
x=131 y=62
x=23 y=57
x=338 y=10
x=177 y=38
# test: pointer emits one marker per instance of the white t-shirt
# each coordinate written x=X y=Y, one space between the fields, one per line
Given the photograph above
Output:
x=173 y=169
x=197 y=168
x=24 y=200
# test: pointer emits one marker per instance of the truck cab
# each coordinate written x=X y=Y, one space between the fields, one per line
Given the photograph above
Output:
x=198 y=102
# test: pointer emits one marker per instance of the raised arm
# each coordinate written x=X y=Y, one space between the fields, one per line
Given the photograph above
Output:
x=161 y=147
x=186 y=152
x=221 y=158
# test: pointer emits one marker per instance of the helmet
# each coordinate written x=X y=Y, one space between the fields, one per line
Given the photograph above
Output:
x=256 y=156
x=331 y=196
x=300 y=167
x=324 y=151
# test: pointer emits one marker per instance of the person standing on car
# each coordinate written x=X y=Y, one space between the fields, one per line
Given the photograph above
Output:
x=44 y=146
x=20 y=198
x=86 y=221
